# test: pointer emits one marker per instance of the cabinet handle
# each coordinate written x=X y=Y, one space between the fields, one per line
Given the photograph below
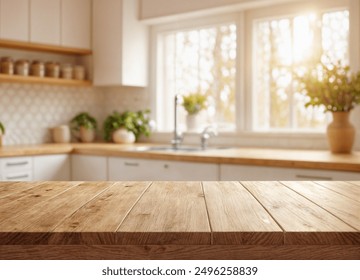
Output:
x=17 y=163
x=314 y=177
x=133 y=164
x=17 y=177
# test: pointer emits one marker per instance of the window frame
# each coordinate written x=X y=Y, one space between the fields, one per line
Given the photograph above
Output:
x=244 y=77
x=203 y=22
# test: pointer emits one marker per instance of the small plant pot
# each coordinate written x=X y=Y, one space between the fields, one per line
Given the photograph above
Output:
x=123 y=136
x=87 y=135
x=341 y=133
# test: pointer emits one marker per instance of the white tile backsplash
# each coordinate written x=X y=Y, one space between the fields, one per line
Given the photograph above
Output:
x=29 y=111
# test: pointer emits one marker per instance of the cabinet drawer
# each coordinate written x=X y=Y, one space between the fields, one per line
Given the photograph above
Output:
x=18 y=176
x=16 y=164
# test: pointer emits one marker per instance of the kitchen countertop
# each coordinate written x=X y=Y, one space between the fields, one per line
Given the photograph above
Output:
x=312 y=159
x=180 y=220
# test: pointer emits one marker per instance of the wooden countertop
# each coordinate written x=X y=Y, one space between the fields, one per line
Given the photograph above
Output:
x=180 y=220
x=311 y=159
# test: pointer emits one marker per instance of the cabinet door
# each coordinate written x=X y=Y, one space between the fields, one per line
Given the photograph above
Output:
x=120 y=44
x=52 y=168
x=14 y=20
x=45 y=21
x=159 y=170
x=76 y=23
x=88 y=168
x=230 y=172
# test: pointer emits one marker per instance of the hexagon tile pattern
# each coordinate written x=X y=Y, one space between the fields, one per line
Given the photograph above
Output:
x=30 y=111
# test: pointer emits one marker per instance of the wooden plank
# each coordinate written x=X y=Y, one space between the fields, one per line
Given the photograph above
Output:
x=346 y=209
x=347 y=189
x=179 y=252
x=10 y=188
x=97 y=221
x=4 y=78
x=34 y=225
x=236 y=217
x=304 y=222
x=168 y=213
x=43 y=48
x=20 y=201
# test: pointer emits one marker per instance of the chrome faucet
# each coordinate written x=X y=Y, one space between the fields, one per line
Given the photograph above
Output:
x=206 y=134
x=177 y=139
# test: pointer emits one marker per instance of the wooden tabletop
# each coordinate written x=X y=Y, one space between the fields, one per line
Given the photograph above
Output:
x=311 y=159
x=180 y=213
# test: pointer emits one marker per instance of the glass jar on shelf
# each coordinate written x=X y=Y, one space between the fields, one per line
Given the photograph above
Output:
x=52 y=69
x=38 y=69
x=79 y=72
x=22 y=67
x=7 y=65
x=67 y=71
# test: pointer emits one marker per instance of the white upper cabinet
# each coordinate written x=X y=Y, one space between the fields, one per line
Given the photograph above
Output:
x=45 y=21
x=120 y=44
x=14 y=20
x=76 y=23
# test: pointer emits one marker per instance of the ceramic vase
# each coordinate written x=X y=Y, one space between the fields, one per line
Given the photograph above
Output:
x=192 y=122
x=87 y=135
x=123 y=136
x=341 y=133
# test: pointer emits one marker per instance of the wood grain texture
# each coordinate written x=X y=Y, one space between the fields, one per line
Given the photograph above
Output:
x=12 y=188
x=97 y=221
x=29 y=197
x=236 y=217
x=4 y=78
x=43 y=48
x=297 y=215
x=168 y=213
x=41 y=219
x=347 y=189
x=343 y=207
x=321 y=160
x=178 y=252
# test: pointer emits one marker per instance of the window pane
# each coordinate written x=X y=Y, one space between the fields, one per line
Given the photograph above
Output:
x=201 y=60
x=286 y=46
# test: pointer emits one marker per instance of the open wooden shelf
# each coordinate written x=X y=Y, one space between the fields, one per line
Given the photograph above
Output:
x=43 y=48
x=38 y=80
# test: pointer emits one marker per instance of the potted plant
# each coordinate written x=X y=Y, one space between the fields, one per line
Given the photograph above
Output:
x=127 y=127
x=85 y=125
x=2 y=132
x=193 y=103
x=338 y=90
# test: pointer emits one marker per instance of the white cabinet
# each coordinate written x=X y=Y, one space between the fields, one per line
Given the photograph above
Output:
x=158 y=170
x=16 y=169
x=120 y=44
x=51 y=168
x=88 y=168
x=14 y=20
x=263 y=173
x=76 y=23
x=45 y=21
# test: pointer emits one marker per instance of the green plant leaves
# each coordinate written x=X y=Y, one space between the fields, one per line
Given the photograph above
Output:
x=194 y=103
x=136 y=122
x=83 y=120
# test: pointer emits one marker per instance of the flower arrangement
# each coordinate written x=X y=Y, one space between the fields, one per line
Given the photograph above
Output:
x=194 y=103
x=333 y=86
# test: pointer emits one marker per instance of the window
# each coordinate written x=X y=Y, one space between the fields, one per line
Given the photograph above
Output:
x=285 y=46
x=197 y=60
